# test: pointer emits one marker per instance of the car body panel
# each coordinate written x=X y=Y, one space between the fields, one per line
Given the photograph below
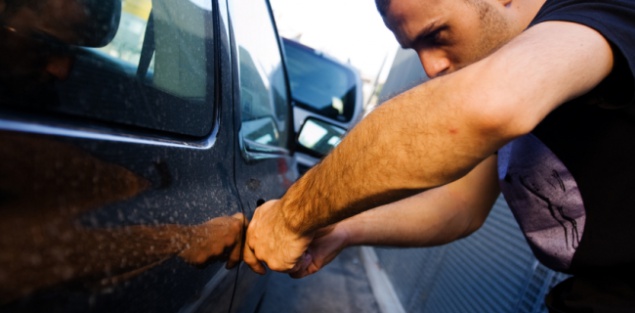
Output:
x=99 y=210
x=125 y=184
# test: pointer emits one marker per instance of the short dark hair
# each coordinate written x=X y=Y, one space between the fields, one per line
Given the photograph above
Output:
x=382 y=6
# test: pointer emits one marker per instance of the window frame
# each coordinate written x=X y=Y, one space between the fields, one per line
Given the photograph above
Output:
x=250 y=149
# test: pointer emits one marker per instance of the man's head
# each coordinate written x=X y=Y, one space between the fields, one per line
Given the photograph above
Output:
x=451 y=34
x=38 y=37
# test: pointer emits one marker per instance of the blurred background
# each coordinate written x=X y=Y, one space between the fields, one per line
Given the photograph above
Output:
x=349 y=30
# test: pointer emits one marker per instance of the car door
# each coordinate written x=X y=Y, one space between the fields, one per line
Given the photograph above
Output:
x=264 y=164
x=117 y=180
x=264 y=119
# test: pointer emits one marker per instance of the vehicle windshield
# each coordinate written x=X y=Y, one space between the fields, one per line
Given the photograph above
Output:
x=319 y=84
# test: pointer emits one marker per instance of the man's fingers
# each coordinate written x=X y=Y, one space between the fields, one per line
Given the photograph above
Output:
x=234 y=257
x=299 y=273
x=278 y=248
x=308 y=267
x=250 y=259
x=235 y=253
x=249 y=256
x=304 y=261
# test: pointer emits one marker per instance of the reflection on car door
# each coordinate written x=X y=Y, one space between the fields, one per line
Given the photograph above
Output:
x=117 y=192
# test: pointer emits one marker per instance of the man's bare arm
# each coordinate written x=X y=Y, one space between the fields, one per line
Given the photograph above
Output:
x=433 y=217
x=433 y=134
x=438 y=131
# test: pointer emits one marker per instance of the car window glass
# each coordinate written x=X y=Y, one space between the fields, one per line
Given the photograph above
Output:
x=127 y=43
x=156 y=72
x=320 y=85
x=263 y=92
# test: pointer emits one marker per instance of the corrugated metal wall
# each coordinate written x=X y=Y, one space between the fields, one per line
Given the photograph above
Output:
x=493 y=270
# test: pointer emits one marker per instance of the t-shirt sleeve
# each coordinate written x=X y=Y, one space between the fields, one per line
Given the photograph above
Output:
x=615 y=20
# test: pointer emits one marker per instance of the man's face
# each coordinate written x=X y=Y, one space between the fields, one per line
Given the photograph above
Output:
x=450 y=34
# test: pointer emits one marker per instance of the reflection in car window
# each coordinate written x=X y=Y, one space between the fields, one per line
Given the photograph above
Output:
x=319 y=84
x=128 y=42
x=134 y=62
x=263 y=92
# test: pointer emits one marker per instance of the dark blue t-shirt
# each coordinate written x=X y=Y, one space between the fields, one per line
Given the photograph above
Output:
x=571 y=182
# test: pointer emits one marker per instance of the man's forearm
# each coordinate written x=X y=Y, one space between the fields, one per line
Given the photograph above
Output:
x=433 y=217
x=404 y=147
x=436 y=132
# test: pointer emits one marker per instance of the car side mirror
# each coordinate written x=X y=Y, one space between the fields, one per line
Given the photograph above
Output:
x=318 y=137
x=259 y=138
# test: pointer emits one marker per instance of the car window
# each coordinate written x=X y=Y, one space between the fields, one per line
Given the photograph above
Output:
x=156 y=72
x=127 y=43
x=263 y=92
x=319 y=84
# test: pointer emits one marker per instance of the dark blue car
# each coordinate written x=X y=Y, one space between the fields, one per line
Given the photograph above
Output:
x=136 y=140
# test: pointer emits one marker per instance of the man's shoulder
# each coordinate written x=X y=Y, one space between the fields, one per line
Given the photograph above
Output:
x=586 y=11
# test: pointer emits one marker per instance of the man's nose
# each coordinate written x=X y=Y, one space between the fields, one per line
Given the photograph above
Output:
x=59 y=66
x=435 y=62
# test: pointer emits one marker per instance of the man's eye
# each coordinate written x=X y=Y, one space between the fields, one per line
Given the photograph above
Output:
x=434 y=38
x=439 y=36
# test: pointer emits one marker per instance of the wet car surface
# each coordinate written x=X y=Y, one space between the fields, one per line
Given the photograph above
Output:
x=137 y=137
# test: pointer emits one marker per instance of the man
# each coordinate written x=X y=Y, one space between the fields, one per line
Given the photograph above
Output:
x=529 y=96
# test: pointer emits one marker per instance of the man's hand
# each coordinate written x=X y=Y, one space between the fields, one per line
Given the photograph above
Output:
x=326 y=245
x=270 y=240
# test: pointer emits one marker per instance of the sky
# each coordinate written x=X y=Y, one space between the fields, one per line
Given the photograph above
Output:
x=349 y=30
